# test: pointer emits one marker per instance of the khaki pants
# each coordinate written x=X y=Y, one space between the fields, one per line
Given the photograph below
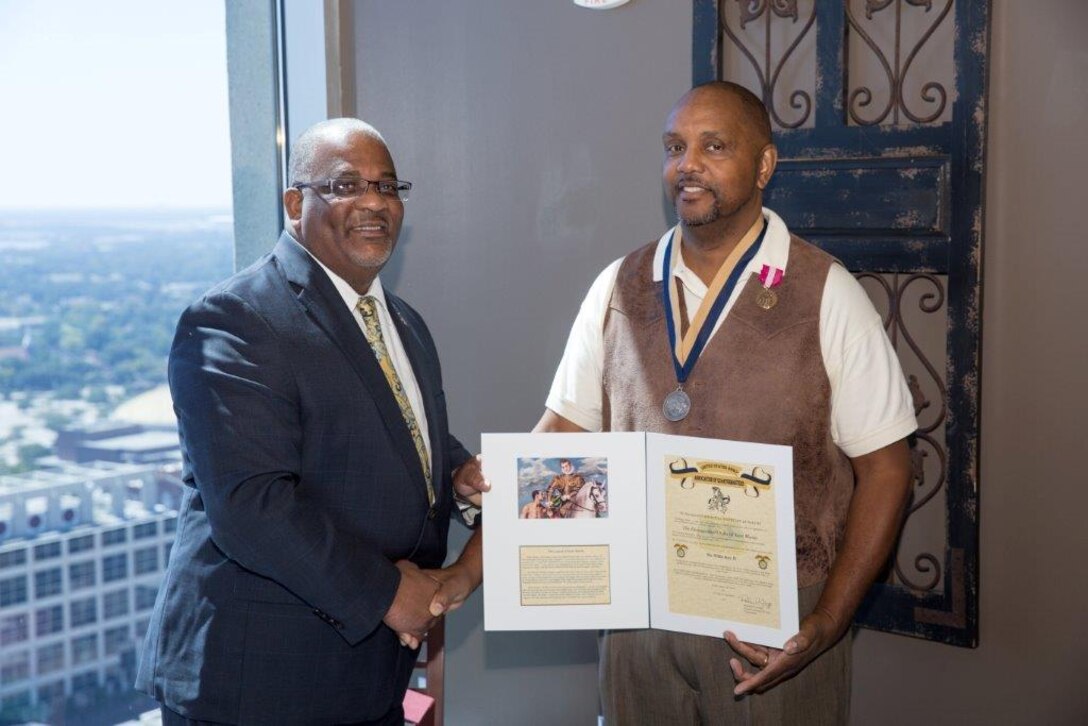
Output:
x=661 y=678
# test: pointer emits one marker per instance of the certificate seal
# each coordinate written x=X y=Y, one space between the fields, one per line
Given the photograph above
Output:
x=677 y=405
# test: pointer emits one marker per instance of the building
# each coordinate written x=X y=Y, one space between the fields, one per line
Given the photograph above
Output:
x=82 y=551
x=134 y=443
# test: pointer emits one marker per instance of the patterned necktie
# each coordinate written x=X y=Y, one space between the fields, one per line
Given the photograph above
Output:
x=372 y=329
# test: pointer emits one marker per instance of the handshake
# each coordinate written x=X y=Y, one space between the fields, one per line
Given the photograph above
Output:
x=424 y=596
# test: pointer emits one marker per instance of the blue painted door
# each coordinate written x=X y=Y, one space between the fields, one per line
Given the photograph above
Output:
x=885 y=171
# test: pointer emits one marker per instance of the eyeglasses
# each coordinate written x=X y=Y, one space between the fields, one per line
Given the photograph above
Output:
x=352 y=188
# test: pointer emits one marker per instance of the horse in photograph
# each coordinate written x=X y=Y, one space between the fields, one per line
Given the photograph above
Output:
x=588 y=502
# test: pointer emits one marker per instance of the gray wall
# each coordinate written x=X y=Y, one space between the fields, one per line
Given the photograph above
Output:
x=1029 y=667
x=532 y=131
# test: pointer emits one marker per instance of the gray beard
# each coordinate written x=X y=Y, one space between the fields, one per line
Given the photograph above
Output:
x=712 y=215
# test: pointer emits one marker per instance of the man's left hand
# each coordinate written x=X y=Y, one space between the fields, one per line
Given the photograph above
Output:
x=469 y=481
x=456 y=583
x=876 y=512
x=772 y=666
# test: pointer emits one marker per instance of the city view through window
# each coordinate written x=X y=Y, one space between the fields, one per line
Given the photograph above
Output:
x=115 y=213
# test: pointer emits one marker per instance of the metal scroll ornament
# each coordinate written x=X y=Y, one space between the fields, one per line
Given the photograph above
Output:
x=927 y=569
x=751 y=10
x=932 y=92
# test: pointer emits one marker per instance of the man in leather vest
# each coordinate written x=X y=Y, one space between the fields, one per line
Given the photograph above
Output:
x=796 y=355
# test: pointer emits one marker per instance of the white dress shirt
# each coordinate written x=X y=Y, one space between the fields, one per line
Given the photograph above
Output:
x=392 y=343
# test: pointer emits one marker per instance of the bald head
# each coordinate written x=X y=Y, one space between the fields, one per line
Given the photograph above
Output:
x=753 y=114
x=300 y=167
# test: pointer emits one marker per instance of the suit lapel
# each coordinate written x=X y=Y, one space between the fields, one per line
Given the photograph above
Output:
x=422 y=367
x=326 y=308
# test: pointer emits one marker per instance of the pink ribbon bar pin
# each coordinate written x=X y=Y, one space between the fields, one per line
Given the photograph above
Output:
x=770 y=276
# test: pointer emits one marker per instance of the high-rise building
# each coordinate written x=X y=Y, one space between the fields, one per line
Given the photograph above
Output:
x=82 y=552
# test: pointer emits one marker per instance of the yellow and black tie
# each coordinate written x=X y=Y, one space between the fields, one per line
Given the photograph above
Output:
x=372 y=329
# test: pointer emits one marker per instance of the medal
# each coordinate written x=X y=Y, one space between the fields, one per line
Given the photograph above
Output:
x=767 y=298
x=769 y=277
x=685 y=353
x=677 y=405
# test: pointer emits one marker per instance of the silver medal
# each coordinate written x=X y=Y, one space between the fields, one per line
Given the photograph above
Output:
x=677 y=405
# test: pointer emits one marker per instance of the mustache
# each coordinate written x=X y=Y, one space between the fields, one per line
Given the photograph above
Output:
x=368 y=217
x=692 y=180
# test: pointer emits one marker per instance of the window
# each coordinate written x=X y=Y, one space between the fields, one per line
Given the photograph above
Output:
x=85 y=682
x=166 y=553
x=47 y=582
x=145 y=530
x=12 y=558
x=116 y=639
x=93 y=284
x=84 y=649
x=115 y=604
x=145 y=597
x=141 y=628
x=13 y=591
x=115 y=567
x=14 y=667
x=146 y=560
x=15 y=703
x=82 y=612
x=81 y=575
x=49 y=620
x=13 y=629
x=80 y=544
x=47 y=551
x=50 y=658
x=51 y=692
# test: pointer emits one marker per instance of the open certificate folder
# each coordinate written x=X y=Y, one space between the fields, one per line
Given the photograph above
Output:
x=636 y=530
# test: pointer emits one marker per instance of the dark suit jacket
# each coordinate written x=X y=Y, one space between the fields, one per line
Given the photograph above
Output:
x=304 y=488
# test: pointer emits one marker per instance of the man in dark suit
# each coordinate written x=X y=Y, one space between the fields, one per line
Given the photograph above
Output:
x=321 y=473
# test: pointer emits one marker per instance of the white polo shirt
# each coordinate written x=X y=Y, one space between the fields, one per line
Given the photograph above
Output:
x=871 y=406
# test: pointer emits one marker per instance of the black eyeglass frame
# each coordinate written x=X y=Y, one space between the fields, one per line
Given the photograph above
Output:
x=400 y=188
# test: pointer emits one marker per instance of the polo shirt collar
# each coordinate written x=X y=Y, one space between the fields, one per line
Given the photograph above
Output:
x=774 y=252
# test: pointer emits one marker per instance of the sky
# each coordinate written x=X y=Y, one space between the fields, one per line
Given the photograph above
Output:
x=113 y=104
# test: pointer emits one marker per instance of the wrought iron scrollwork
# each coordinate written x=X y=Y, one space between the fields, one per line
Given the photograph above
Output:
x=930 y=302
x=931 y=92
x=752 y=10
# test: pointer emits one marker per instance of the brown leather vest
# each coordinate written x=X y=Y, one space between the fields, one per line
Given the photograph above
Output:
x=760 y=378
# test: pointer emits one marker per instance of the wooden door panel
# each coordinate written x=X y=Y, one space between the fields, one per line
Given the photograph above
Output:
x=879 y=109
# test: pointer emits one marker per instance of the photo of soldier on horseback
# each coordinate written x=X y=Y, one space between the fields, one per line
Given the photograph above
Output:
x=578 y=491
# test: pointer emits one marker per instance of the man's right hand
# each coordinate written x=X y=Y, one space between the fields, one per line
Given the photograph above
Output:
x=410 y=614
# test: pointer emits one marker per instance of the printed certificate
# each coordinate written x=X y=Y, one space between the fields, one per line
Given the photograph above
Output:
x=633 y=530
x=721 y=538
x=565 y=539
